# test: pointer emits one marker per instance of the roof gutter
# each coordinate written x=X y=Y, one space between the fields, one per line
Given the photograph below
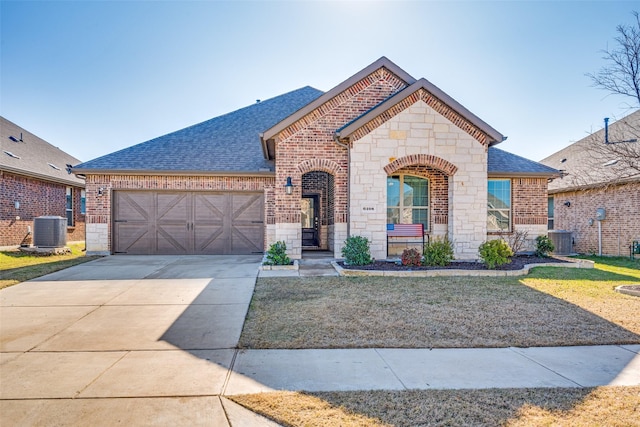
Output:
x=336 y=139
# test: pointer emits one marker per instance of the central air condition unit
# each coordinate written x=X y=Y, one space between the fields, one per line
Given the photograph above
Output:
x=49 y=232
x=562 y=240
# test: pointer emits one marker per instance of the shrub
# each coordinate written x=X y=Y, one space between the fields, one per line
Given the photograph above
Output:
x=356 y=251
x=544 y=245
x=438 y=253
x=516 y=240
x=277 y=254
x=411 y=257
x=495 y=253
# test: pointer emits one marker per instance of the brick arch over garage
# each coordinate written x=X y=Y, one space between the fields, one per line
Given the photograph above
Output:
x=323 y=165
x=421 y=160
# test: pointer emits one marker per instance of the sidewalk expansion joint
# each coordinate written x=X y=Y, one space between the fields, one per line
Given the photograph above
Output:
x=391 y=369
x=513 y=349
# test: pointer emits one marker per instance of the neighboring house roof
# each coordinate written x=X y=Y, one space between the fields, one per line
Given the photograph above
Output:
x=383 y=62
x=590 y=163
x=442 y=102
x=226 y=144
x=502 y=163
x=25 y=154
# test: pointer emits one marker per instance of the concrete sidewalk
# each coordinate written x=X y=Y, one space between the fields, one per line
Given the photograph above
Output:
x=128 y=338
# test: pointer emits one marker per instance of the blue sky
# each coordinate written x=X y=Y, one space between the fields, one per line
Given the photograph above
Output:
x=92 y=77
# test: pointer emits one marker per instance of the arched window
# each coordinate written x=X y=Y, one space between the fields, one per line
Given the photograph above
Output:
x=408 y=200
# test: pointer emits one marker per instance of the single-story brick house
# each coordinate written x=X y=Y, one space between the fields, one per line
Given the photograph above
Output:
x=598 y=173
x=36 y=180
x=310 y=168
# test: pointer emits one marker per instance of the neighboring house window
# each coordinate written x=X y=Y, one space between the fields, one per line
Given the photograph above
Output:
x=69 y=207
x=499 y=205
x=83 y=202
x=408 y=200
x=550 y=210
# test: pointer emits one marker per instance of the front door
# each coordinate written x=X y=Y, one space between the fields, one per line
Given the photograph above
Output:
x=309 y=208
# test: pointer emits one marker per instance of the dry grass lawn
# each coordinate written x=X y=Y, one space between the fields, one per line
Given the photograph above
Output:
x=16 y=266
x=550 y=307
x=579 y=407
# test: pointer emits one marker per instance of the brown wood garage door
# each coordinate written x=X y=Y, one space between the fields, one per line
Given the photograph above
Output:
x=186 y=223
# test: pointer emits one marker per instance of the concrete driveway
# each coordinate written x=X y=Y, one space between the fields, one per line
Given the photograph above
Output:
x=125 y=340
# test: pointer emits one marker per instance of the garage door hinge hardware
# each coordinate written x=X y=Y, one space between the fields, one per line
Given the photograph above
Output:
x=120 y=220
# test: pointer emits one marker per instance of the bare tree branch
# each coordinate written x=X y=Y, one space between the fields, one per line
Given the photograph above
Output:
x=621 y=76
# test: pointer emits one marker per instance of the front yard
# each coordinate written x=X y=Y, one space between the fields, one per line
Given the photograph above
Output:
x=551 y=306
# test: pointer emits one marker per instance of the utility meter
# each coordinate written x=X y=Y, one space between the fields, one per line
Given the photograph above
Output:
x=601 y=214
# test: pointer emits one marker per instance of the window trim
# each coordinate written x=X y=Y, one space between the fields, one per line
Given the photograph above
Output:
x=401 y=207
x=508 y=211
x=551 y=207
x=83 y=201
x=69 y=207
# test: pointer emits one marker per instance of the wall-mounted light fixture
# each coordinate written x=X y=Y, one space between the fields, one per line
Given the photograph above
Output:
x=288 y=187
x=100 y=191
x=17 y=204
x=567 y=203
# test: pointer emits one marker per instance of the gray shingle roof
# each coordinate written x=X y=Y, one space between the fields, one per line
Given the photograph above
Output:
x=23 y=153
x=510 y=164
x=587 y=163
x=227 y=143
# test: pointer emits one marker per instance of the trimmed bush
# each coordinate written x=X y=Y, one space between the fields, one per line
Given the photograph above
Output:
x=411 y=257
x=356 y=251
x=438 y=252
x=277 y=254
x=495 y=253
x=544 y=245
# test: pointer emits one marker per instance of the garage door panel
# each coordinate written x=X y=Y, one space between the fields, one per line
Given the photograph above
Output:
x=134 y=206
x=172 y=239
x=178 y=223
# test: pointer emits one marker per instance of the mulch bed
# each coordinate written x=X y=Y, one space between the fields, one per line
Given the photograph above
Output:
x=517 y=263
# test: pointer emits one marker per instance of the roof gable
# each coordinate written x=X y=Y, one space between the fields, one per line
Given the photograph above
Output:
x=225 y=144
x=432 y=96
x=347 y=85
x=24 y=153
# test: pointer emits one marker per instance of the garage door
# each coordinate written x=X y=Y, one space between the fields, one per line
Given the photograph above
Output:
x=186 y=223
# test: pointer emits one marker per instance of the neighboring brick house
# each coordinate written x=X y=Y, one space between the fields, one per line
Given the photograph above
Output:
x=594 y=176
x=35 y=180
x=379 y=148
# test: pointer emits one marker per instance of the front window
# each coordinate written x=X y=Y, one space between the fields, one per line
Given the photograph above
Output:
x=408 y=200
x=69 y=207
x=499 y=205
x=550 y=208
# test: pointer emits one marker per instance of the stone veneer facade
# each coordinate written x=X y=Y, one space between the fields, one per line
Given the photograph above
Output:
x=422 y=142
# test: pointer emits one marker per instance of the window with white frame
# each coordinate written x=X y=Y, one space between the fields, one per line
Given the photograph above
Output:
x=499 y=205
x=408 y=200
x=550 y=208
x=69 y=207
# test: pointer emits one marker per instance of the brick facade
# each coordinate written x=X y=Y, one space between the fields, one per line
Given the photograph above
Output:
x=308 y=145
x=36 y=198
x=99 y=206
x=619 y=228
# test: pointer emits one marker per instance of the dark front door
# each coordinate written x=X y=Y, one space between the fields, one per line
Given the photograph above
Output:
x=309 y=208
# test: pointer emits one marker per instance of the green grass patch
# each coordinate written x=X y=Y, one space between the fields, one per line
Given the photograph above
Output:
x=17 y=266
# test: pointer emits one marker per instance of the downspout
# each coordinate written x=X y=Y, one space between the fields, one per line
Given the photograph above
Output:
x=336 y=139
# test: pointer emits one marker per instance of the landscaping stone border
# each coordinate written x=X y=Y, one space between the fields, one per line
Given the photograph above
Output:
x=571 y=263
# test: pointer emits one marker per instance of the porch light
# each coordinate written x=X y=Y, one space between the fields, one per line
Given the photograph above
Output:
x=288 y=187
x=100 y=191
